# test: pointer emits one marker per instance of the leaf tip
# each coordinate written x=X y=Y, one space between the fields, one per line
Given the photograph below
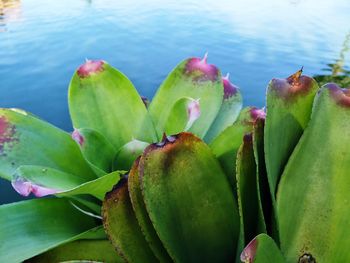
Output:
x=90 y=67
x=248 y=253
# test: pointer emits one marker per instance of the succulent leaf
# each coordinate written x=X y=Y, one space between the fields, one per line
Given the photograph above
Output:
x=289 y=104
x=96 y=149
x=143 y=219
x=35 y=226
x=193 y=78
x=189 y=200
x=262 y=249
x=27 y=140
x=229 y=111
x=313 y=195
x=104 y=99
x=122 y=227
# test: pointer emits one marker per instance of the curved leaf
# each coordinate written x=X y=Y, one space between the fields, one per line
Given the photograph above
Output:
x=192 y=78
x=103 y=99
x=189 y=200
x=121 y=225
x=32 y=227
x=313 y=195
x=95 y=148
x=289 y=104
x=81 y=251
x=26 y=140
x=262 y=249
x=229 y=110
x=142 y=215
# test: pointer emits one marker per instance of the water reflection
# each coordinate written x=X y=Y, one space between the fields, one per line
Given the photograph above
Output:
x=10 y=10
x=337 y=72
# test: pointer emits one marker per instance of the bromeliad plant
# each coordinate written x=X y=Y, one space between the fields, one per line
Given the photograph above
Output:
x=189 y=177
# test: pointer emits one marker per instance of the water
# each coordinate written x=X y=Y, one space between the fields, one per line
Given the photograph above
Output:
x=42 y=42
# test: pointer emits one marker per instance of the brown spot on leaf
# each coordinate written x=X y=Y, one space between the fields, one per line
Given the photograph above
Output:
x=307 y=258
x=7 y=135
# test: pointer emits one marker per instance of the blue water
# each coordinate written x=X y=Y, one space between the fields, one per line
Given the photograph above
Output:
x=42 y=42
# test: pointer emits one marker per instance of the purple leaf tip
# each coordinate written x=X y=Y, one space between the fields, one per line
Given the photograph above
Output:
x=201 y=70
x=256 y=113
x=25 y=187
x=229 y=88
x=7 y=134
x=341 y=96
x=194 y=112
x=248 y=253
x=76 y=136
x=90 y=67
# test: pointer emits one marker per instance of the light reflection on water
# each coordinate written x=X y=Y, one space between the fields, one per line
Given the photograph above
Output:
x=42 y=42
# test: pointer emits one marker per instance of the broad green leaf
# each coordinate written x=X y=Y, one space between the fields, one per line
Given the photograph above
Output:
x=289 y=104
x=127 y=154
x=103 y=99
x=229 y=110
x=26 y=140
x=98 y=187
x=31 y=227
x=192 y=78
x=251 y=215
x=225 y=146
x=262 y=249
x=81 y=251
x=141 y=214
x=95 y=148
x=189 y=200
x=121 y=226
x=313 y=205
x=182 y=115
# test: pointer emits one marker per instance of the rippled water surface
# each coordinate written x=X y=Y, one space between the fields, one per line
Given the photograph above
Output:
x=43 y=42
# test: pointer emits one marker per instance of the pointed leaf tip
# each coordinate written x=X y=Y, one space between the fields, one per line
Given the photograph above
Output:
x=341 y=96
x=201 y=70
x=248 y=253
x=78 y=137
x=257 y=113
x=229 y=88
x=25 y=187
x=194 y=112
x=90 y=67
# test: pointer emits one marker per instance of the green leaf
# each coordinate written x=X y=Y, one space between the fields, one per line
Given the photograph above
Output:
x=103 y=99
x=192 y=78
x=225 y=146
x=262 y=249
x=141 y=214
x=81 y=251
x=127 y=154
x=313 y=195
x=26 y=140
x=229 y=110
x=289 y=104
x=183 y=115
x=251 y=215
x=98 y=187
x=96 y=149
x=31 y=227
x=121 y=225
x=189 y=200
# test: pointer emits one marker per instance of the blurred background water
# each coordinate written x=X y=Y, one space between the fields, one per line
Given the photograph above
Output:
x=42 y=42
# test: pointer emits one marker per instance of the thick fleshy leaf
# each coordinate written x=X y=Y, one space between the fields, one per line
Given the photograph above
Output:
x=313 y=195
x=97 y=188
x=192 y=78
x=183 y=115
x=127 y=154
x=189 y=200
x=263 y=249
x=95 y=148
x=264 y=197
x=251 y=215
x=26 y=140
x=289 y=104
x=81 y=251
x=143 y=219
x=42 y=181
x=229 y=111
x=226 y=145
x=31 y=227
x=104 y=99
x=122 y=227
